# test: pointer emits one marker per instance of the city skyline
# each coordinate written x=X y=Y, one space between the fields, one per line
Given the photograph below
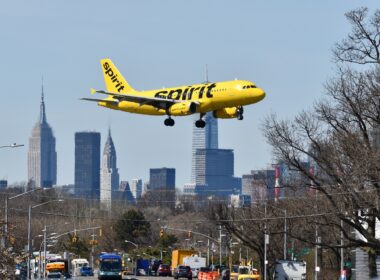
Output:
x=69 y=62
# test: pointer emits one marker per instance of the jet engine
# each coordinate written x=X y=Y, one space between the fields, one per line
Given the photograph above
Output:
x=226 y=113
x=183 y=108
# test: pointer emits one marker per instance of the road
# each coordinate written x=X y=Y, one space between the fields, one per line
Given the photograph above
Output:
x=129 y=277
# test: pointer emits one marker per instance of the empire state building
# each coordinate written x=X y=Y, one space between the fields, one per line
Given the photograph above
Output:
x=42 y=157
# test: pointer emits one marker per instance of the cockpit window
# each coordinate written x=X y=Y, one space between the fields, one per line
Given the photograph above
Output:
x=249 y=86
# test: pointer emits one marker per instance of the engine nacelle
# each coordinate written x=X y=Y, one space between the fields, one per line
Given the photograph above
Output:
x=226 y=113
x=183 y=108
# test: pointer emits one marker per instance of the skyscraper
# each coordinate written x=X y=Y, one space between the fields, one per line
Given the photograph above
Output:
x=162 y=186
x=136 y=188
x=42 y=157
x=214 y=172
x=162 y=178
x=204 y=138
x=87 y=164
x=109 y=176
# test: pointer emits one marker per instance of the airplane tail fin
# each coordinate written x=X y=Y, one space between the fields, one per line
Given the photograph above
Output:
x=113 y=79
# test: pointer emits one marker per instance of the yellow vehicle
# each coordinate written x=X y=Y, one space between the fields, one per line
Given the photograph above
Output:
x=54 y=268
x=248 y=277
x=179 y=255
x=242 y=272
x=225 y=99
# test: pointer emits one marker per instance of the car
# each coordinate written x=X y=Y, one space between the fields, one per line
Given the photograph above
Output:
x=86 y=271
x=55 y=275
x=163 y=270
x=154 y=266
x=183 y=272
x=20 y=271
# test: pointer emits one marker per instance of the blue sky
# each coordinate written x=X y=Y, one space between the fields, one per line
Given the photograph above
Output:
x=282 y=46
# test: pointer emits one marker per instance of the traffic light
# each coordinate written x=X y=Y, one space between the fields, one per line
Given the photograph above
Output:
x=161 y=233
x=74 y=239
x=189 y=234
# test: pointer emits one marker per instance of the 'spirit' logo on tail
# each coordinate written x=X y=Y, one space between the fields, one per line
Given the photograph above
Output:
x=114 y=79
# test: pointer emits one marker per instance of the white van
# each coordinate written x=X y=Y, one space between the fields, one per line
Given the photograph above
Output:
x=76 y=265
x=290 y=270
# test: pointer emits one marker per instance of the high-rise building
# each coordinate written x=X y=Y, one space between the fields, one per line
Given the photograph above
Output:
x=3 y=184
x=160 y=178
x=162 y=186
x=124 y=193
x=259 y=185
x=214 y=173
x=109 y=176
x=87 y=164
x=42 y=157
x=204 y=138
x=136 y=188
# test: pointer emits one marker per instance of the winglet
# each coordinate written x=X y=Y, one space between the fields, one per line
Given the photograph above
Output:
x=93 y=90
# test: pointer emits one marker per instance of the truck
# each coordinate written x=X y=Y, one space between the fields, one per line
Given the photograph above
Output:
x=77 y=264
x=195 y=262
x=295 y=270
x=179 y=255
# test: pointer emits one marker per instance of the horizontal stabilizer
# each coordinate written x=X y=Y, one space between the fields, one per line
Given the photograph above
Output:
x=100 y=100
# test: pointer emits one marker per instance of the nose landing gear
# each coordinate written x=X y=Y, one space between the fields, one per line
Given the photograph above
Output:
x=240 y=112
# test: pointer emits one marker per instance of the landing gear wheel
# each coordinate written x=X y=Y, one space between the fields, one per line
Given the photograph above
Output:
x=169 y=122
x=240 y=112
x=200 y=123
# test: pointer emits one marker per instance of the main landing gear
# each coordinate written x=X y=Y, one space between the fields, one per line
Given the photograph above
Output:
x=240 y=112
x=169 y=121
x=200 y=123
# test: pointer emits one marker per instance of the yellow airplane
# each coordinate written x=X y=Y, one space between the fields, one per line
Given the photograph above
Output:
x=224 y=99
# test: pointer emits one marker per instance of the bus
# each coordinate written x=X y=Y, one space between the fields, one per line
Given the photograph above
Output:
x=110 y=267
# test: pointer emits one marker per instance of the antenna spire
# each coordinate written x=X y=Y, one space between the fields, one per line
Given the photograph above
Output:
x=42 y=106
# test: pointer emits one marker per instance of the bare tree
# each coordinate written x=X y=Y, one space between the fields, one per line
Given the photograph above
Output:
x=362 y=44
x=340 y=136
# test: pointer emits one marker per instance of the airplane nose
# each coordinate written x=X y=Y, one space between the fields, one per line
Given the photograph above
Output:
x=260 y=94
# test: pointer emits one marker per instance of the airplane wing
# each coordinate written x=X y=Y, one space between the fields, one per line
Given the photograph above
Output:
x=159 y=103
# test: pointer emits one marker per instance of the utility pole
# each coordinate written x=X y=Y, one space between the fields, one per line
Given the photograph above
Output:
x=341 y=248
x=92 y=248
x=285 y=230
x=220 y=245
x=208 y=251
x=29 y=234
x=45 y=232
x=316 y=253
x=266 y=241
x=5 y=243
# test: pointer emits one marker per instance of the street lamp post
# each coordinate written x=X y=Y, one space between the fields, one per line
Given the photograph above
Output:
x=14 y=145
x=137 y=247
x=29 y=229
x=5 y=238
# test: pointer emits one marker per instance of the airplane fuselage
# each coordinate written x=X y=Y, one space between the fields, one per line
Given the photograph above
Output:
x=208 y=97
